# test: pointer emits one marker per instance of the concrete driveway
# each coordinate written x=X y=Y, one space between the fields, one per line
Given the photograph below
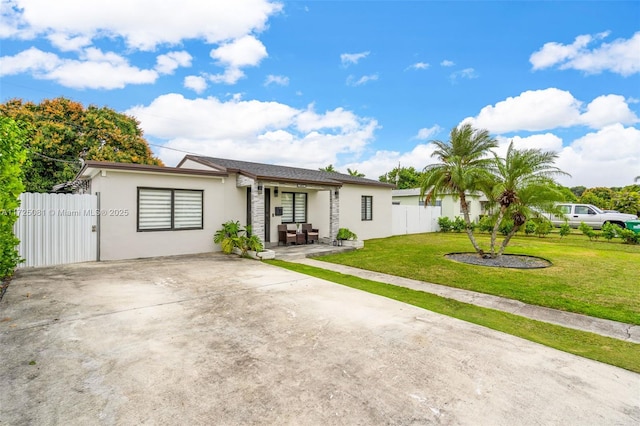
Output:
x=221 y=340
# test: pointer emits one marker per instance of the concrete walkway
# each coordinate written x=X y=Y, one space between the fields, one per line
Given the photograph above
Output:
x=617 y=330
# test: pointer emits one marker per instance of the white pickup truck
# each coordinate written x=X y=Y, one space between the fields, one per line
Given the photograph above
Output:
x=589 y=214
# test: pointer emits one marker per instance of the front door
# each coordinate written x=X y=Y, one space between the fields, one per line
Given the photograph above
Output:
x=267 y=215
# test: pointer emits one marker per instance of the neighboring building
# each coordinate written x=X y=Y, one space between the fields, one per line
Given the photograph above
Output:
x=450 y=205
x=157 y=211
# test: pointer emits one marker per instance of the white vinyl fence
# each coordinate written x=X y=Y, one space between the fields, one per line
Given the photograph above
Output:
x=56 y=229
x=414 y=219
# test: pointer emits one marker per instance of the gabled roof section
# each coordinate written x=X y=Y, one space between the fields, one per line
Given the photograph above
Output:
x=91 y=165
x=283 y=173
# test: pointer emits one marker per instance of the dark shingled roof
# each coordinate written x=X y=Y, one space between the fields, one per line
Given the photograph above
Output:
x=284 y=173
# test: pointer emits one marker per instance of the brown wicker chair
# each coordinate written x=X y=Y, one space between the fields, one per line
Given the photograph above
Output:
x=311 y=234
x=286 y=236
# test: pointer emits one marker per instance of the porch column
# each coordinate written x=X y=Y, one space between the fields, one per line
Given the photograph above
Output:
x=257 y=210
x=334 y=213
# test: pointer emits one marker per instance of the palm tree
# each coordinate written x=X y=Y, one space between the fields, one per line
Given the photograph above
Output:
x=329 y=168
x=524 y=186
x=464 y=164
x=354 y=173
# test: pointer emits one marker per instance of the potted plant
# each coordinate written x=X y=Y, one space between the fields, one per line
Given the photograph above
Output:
x=348 y=238
x=235 y=239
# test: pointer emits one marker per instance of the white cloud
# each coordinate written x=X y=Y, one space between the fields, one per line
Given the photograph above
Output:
x=169 y=62
x=352 y=81
x=608 y=157
x=279 y=80
x=67 y=43
x=29 y=60
x=382 y=162
x=536 y=110
x=428 y=132
x=468 y=73
x=143 y=24
x=352 y=58
x=447 y=63
x=419 y=66
x=243 y=52
x=622 y=56
x=608 y=109
x=263 y=131
x=544 y=142
x=196 y=83
x=95 y=69
x=229 y=76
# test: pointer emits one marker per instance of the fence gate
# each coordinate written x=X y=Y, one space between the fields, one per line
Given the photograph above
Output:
x=414 y=219
x=56 y=229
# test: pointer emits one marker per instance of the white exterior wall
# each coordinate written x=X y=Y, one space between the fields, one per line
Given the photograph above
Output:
x=451 y=207
x=119 y=238
x=350 y=211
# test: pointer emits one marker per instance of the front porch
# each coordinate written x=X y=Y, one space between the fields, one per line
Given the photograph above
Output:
x=305 y=250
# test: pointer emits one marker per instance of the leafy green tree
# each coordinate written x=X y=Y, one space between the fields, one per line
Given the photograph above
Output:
x=463 y=163
x=569 y=195
x=578 y=190
x=62 y=131
x=329 y=168
x=627 y=200
x=599 y=197
x=524 y=187
x=354 y=173
x=13 y=157
x=403 y=177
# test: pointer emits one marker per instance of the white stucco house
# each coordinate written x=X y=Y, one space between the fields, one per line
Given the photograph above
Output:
x=149 y=211
x=450 y=205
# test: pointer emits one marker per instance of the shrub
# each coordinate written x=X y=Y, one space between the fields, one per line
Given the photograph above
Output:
x=485 y=224
x=459 y=224
x=346 y=234
x=445 y=224
x=543 y=228
x=505 y=227
x=609 y=231
x=565 y=230
x=530 y=227
x=588 y=231
x=12 y=157
x=629 y=237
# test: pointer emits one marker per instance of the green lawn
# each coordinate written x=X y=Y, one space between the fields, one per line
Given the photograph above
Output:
x=589 y=345
x=596 y=278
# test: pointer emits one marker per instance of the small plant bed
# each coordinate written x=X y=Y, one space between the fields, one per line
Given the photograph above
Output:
x=515 y=261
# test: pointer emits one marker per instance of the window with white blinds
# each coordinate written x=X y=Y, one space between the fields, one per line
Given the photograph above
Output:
x=367 y=207
x=169 y=209
x=294 y=207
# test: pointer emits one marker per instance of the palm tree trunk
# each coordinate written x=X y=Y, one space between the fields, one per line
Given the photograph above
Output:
x=496 y=227
x=465 y=213
x=506 y=240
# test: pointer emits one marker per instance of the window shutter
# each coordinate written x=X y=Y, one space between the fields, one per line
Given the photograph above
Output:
x=154 y=209
x=187 y=207
x=287 y=207
x=300 y=207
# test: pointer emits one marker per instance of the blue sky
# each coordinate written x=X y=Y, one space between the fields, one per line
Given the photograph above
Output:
x=358 y=84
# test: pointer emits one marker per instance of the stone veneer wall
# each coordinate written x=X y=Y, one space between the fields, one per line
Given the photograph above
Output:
x=334 y=214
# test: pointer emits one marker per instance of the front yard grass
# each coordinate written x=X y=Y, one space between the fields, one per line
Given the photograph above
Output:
x=595 y=278
x=589 y=345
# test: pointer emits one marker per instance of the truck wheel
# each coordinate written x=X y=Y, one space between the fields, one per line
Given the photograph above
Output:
x=618 y=224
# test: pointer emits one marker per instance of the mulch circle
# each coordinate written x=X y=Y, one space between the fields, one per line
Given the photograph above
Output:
x=515 y=261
